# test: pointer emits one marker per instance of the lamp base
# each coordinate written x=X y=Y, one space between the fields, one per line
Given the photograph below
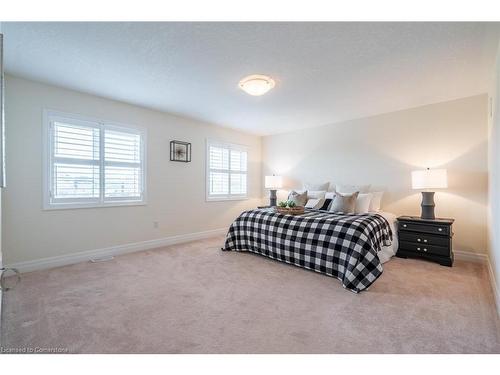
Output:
x=427 y=205
x=272 y=198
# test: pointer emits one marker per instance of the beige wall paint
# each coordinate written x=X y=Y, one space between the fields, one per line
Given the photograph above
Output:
x=383 y=150
x=494 y=180
x=176 y=191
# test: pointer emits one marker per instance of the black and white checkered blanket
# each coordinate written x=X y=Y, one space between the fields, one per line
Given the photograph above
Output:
x=341 y=246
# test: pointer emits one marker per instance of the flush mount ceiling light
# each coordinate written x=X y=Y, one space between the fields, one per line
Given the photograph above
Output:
x=256 y=84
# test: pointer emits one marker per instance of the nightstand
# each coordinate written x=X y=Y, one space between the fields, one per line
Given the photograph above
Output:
x=425 y=238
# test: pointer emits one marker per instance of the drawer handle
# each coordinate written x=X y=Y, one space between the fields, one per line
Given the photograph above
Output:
x=440 y=229
x=418 y=240
x=425 y=240
x=404 y=225
x=425 y=249
x=418 y=248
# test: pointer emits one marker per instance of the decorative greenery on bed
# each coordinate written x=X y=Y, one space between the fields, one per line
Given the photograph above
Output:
x=289 y=207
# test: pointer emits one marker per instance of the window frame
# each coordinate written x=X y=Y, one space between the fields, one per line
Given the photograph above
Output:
x=229 y=146
x=49 y=116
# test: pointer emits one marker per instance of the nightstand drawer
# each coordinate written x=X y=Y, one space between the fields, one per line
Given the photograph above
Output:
x=426 y=228
x=429 y=249
x=424 y=239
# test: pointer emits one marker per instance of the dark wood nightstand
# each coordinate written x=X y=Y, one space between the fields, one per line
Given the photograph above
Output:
x=425 y=238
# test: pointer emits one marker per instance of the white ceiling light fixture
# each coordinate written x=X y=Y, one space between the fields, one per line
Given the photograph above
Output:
x=256 y=84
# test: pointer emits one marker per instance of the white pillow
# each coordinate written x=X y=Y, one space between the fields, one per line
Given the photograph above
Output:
x=376 y=201
x=315 y=199
x=315 y=203
x=317 y=187
x=363 y=203
x=330 y=195
x=316 y=194
x=349 y=189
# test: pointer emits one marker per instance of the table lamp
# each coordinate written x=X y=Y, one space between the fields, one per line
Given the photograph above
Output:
x=273 y=183
x=429 y=179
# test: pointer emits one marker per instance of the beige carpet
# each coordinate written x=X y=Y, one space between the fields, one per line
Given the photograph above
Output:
x=194 y=298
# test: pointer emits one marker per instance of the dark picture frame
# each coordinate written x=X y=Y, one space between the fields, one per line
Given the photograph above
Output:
x=180 y=151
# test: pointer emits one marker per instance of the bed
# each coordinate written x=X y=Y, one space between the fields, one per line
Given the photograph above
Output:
x=349 y=247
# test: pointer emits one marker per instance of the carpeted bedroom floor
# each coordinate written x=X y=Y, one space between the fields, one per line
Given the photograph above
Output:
x=194 y=298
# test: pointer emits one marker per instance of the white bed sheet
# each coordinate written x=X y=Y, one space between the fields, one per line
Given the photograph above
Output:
x=387 y=252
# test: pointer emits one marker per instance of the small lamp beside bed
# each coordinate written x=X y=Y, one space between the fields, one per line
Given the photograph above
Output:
x=273 y=183
x=429 y=179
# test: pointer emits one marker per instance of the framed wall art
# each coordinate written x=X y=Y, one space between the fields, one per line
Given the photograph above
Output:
x=180 y=151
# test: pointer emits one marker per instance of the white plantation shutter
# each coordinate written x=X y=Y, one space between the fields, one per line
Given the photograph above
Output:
x=75 y=167
x=219 y=170
x=219 y=183
x=123 y=171
x=238 y=184
x=219 y=158
x=74 y=181
x=238 y=180
x=226 y=171
x=90 y=163
x=238 y=161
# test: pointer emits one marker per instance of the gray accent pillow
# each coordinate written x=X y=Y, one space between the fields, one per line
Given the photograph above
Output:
x=344 y=203
x=300 y=199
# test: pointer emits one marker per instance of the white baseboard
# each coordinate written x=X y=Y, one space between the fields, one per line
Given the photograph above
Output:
x=471 y=257
x=494 y=287
x=84 y=256
x=484 y=259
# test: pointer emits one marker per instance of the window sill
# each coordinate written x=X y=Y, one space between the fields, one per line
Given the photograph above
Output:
x=73 y=206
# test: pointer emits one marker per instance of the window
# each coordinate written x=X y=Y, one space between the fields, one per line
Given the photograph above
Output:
x=226 y=171
x=92 y=163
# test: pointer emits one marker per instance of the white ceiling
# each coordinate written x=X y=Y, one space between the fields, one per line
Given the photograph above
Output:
x=325 y=72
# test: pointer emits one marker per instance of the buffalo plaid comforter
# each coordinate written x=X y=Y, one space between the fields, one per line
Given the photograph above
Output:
x=337 y=245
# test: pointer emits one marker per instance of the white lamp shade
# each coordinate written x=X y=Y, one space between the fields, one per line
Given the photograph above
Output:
x=273 y=182
x=429 y=179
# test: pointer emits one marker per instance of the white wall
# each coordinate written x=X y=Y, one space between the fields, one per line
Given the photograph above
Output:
x=494 y=181
x=1 y=253
x=383 y=150
x=176 y=191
